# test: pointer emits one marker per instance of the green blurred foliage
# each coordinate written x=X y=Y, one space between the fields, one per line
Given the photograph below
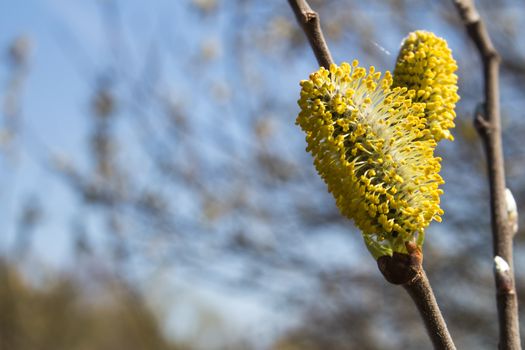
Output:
x=59 y=315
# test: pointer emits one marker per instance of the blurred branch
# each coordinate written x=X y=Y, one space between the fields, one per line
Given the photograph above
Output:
x=10 y=124
x=488 y=125
x=311 y=24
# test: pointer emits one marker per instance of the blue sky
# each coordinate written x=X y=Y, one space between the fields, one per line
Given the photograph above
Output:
x=52 y=119
x=67 y=46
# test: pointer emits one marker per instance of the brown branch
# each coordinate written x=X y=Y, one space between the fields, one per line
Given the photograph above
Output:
x=402 y=269
x=309 y=21
x=407 y=270
x=487 y=122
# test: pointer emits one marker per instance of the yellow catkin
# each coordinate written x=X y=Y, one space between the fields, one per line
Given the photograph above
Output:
x=425 y=65
x=371 y=145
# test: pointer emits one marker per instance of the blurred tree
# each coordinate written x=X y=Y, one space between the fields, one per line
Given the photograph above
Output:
x=59 y=316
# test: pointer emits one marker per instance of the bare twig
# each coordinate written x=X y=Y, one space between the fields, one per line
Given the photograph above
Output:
x=421 y=293
x=309 y=21
x=487 y=122
x=407 y=271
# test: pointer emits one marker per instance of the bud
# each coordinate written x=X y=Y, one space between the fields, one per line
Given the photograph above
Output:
x=372 y=146
x=425 y=65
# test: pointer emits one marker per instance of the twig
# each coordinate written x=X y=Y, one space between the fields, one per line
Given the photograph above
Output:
x=402 y=269
x=309 y=21
x=407 y=270
x=487 y=122
x=421 y=293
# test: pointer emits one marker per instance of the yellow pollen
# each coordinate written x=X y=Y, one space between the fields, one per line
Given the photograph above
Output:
x=369 y=142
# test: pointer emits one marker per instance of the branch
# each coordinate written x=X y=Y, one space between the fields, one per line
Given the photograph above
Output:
x=487 y=122
x=407 y=270
x=402 y=269
x=309 y=21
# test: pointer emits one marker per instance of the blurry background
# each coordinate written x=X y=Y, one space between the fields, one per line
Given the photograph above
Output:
x=155 y=192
